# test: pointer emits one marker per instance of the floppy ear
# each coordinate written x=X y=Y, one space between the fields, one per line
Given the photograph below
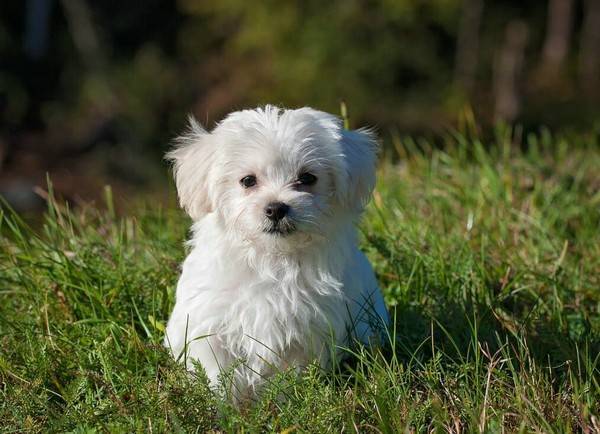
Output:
x=359 y=149
x=193 y=159
x=355 y=177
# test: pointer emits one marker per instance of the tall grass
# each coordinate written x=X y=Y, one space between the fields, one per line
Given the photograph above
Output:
x=488 y=255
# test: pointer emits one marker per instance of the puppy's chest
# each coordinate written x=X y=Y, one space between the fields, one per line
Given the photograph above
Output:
x=280 y=312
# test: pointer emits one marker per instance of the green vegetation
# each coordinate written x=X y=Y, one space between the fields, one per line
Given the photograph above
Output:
x=85 y=78
x=488 y=255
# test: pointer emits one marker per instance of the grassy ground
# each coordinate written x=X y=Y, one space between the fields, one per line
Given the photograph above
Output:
x=489 y=260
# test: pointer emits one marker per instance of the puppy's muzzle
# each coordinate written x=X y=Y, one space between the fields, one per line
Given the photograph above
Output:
x=275 y=211
x=279 y=221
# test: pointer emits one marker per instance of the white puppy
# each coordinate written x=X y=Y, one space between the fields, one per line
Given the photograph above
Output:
x=274 y=278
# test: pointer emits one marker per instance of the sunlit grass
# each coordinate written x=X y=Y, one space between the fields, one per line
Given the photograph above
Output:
x=488 y=253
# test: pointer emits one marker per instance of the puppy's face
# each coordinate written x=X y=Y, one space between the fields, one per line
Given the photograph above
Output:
x=275 y=176
x=276 y=187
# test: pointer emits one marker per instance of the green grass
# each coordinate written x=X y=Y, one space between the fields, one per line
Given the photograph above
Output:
x=489 y=258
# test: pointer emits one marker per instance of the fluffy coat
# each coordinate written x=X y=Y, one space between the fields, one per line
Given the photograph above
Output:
x=256 y=295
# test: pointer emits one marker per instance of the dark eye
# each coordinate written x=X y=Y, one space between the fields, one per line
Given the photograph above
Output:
x=248 y=181
x=307 y=178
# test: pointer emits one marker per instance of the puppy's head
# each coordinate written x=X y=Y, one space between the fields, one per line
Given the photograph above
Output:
x=275 y=176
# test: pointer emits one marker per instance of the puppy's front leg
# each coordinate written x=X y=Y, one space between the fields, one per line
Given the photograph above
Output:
x=208 y=352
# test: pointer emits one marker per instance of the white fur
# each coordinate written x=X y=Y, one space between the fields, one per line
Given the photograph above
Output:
x=253 y=302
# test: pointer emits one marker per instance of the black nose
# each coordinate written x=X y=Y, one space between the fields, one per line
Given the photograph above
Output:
x=275 y=211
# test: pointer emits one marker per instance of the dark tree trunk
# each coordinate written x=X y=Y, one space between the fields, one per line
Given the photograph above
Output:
x=507 y=72
x=83 y=32
x=558 y=36
x=467 y=45
x=589 y=60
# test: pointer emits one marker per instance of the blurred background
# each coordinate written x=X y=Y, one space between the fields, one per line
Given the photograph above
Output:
x=92 y=92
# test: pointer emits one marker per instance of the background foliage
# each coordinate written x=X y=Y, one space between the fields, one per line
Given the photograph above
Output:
x=101 y=87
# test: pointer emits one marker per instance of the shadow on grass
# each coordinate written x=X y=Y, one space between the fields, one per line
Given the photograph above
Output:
x=458 y=330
